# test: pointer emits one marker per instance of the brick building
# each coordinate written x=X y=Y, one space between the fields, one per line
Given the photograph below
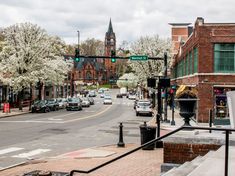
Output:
x=204 y=57
x=92 y=70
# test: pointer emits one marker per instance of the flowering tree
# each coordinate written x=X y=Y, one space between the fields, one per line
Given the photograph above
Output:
x=29 y=55
x=152 y=47
x=128 y=80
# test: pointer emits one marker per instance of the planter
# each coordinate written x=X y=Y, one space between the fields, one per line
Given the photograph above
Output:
x=187 y=109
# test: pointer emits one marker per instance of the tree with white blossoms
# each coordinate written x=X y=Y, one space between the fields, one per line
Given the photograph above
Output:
x=29 y=55
x=128 y=80
x=152 y=47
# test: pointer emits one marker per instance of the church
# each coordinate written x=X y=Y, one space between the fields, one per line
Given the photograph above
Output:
x=94 y=70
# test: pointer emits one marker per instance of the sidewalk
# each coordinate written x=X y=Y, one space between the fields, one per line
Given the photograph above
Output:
x=139 y=163
x=14 y=112
x=142 y=162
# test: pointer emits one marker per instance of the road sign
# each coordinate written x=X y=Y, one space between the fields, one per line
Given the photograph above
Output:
x=138 y=58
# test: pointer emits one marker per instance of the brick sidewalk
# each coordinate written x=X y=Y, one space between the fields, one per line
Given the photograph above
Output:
x=140 y=163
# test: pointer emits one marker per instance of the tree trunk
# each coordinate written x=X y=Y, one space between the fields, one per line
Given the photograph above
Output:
x=31 y=97
x=40 y=85
x=20 y=98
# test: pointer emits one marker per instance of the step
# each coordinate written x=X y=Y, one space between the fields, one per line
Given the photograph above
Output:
x=188 y=167
x=214 y=164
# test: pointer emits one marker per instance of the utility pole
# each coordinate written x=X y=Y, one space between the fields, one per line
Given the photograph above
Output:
x=165 y=91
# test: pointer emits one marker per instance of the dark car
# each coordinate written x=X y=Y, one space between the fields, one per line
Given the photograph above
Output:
x=40 y=106
x=74 y=104
x=91 y=100
x=53 y=104
x=119 y=95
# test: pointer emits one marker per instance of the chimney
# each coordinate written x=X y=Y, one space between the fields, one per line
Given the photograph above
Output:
x=179 y=34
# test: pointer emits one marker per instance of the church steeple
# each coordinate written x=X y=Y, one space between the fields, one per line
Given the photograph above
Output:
x=110 y=29
x=110 y=40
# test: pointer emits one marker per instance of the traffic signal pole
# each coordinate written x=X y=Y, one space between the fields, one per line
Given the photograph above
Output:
x=117 y=57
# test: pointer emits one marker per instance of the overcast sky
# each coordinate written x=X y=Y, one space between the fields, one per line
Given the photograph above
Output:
x=130 y=18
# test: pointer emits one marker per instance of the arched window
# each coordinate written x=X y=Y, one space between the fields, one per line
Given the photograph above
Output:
x=88 y=75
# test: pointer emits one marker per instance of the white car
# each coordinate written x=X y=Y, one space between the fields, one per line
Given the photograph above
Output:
x=62 y=102
x=85 y=102
x=107 y=100
x=144 y=107
x=132 y=97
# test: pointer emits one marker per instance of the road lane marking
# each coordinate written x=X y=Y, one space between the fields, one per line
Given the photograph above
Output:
x=91 y=116
x=31 y=153
x=9 y=150
x=59 y=122
x=54 y=119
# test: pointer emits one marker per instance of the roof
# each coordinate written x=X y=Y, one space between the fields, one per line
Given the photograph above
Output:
x=110 y=29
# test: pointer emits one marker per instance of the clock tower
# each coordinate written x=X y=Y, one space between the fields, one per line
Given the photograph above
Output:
x=110 y=45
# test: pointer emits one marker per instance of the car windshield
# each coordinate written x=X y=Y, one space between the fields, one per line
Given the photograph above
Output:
x=107 y=98
x=73 y=100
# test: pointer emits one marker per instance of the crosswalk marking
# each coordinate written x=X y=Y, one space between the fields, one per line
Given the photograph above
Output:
x=31 y=153
x=9 y=150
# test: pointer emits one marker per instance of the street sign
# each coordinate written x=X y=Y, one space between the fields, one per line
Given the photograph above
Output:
x=138 y=58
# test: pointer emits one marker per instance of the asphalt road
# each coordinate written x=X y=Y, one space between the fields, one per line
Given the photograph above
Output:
x=38 y=135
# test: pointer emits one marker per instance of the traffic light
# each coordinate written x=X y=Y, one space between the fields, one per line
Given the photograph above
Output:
x=77 y=54
x=113 y=56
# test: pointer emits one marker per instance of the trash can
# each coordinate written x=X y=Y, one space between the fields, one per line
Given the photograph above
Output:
x=6 y=107
x=147 y=133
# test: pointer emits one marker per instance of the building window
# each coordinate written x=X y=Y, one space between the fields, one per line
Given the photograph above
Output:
x=190 y=63
x=224 y=58
x=195 y=60
x=186 y=65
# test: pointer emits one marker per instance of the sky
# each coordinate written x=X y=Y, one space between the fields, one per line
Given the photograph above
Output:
x=131 y=19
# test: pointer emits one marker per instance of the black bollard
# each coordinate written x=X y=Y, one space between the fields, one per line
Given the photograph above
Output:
x=121 y=143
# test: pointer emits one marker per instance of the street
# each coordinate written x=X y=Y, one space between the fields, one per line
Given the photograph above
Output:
x=39 y=135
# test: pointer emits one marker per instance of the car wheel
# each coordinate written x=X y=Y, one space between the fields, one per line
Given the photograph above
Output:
x=137 y=113
x=46 y=109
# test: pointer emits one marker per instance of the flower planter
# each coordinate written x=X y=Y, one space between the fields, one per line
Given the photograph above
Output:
x=187 y=109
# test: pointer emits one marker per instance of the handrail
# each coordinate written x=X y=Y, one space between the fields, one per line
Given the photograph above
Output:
x=227 y=130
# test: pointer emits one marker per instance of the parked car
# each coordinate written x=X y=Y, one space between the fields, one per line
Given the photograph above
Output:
x=62 y=102
x=107 y=99
x=53 y=104
x=144 y=107
x=91 y=100
x=85 y=102
x=74 y=104
x=40 y=106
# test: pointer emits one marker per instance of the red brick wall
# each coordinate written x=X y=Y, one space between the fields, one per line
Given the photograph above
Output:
x=204 y=36
x=180 y=153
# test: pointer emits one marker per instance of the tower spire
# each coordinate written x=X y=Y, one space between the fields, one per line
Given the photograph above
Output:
x=110 y=29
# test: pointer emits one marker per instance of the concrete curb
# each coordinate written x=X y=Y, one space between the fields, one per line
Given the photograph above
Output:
x=11 y=115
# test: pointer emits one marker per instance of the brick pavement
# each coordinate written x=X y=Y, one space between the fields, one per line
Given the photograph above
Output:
x=140 y=163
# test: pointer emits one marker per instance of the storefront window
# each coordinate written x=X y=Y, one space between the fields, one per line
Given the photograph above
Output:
x=224 y=58
x=220 y=102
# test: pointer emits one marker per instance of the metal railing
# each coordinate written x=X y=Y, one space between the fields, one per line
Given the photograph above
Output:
x=227 y=131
